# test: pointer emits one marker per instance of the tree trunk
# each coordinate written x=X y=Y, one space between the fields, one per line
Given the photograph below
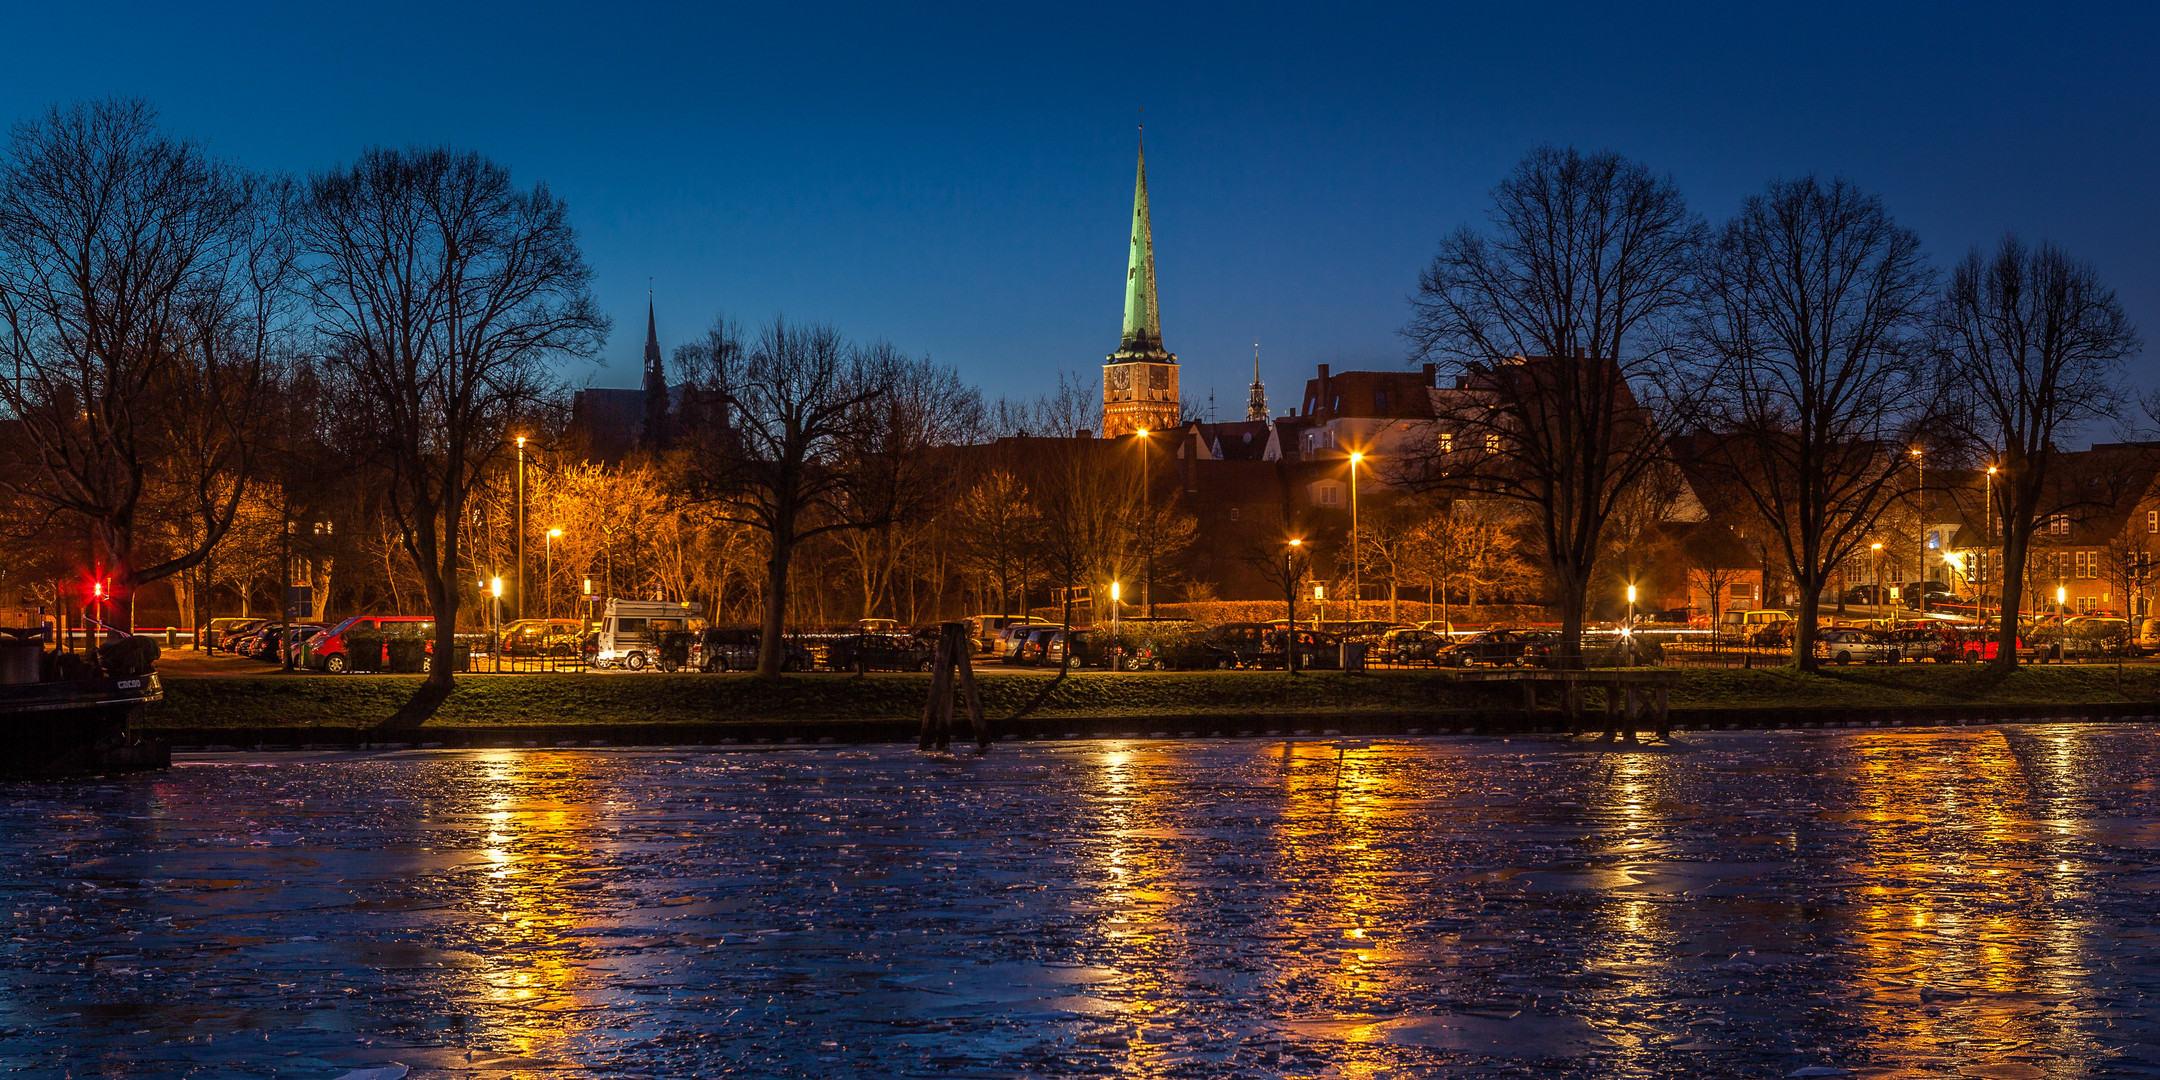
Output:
x=1804 y=634
x=2017 y=552
x=776 y=586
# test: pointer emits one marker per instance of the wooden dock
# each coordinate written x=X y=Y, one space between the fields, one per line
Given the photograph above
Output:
x=1631 y=694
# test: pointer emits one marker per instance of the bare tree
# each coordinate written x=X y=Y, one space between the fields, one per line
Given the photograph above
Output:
x=1809 y=324
x=1557 y=319
x=444 y=293
x=2038 y=343
x=144 y=303
x=817 y=436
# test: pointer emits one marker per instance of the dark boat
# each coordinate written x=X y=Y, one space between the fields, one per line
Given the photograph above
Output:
x=64 y=714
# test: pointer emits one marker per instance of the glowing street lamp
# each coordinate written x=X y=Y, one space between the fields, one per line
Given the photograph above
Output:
x=547 y=573
x=1357 y=589
x=495 y=612
x=1290 y=576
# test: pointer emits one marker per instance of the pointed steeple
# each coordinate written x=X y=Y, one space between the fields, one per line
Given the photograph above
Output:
x=1143 y=320
x=652 y=338
x=656 y=433
x=1256 y=404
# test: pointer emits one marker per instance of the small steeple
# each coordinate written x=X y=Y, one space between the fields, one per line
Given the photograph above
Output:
x=1142 y=338
x=656 y=434
x=1256 y=405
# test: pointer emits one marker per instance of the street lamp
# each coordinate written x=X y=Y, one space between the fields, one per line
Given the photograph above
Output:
x=495 y=638
x=547 y=572
x=1357 y=585
x=2062 y=596
x=1290 y=577
x=1987 y=539
x=1920 y=462
x=1117 y=653
x=521 y=526
x=1629 y=632
x=1147 y=584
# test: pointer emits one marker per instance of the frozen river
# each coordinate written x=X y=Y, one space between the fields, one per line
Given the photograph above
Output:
x=1971 y=901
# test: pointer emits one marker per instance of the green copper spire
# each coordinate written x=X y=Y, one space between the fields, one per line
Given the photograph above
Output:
x=1143 y=321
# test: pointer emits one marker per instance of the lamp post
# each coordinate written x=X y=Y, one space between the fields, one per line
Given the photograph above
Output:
x=1987 y=542
x=1357 y=584
x=1117 y=647
x=1920 y=462
x=1290 y=576
x=547 y=573
x=1147 y=584
x=520 y=576
x=495 y=637
x=1878 y=597
x=1630 y=632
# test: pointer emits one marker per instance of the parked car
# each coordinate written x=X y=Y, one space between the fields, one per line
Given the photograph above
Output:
x=987 y=630
x=1234 y=645
x=271 y=642
x=1777 y=635
x=631 y=631
x=1845 y=644
x=1060 y=640
x=1972 y=644
x=1010 y=639
x=1519 y=647
x=1917 y=642
x=1938 y=594
x=222 y=633
x=1316 y=649
x=1149 y=645
x=1866 y=594
x=1034 y=642
x=736 y=648
x=542 y=637
x=1408 y=645
x=880 y=652
x=332 y=648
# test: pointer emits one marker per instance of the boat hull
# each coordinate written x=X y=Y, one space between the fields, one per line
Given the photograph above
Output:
x=77 y=727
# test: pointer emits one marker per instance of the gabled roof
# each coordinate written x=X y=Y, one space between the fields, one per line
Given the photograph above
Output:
x=1389 y=395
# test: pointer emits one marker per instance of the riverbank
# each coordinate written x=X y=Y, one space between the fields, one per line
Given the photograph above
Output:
x=648 y=708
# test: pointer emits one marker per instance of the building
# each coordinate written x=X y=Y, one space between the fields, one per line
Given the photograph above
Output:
x=608 y=424
x=1140 y=379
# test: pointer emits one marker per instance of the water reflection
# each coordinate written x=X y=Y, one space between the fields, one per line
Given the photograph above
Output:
x=1910 y=901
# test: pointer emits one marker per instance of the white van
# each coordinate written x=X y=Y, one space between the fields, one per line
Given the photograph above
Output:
x=630 y=631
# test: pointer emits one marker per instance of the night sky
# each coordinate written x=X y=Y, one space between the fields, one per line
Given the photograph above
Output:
x=959 y=181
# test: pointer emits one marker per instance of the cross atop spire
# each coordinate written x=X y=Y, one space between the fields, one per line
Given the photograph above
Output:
x=1143 y=321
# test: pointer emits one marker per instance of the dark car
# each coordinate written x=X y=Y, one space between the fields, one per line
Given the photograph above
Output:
x=1867 y=594
x=1234 y=645
x=1409 y=645
x=879 y=652
x=542 y=637
x=1917 y=642
x=736 y=648
x=1937 y=593
x=1033 y=643
x=1518 y=647
x=1777 y=635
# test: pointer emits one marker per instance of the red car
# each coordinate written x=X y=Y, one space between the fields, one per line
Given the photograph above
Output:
x=1975 y=645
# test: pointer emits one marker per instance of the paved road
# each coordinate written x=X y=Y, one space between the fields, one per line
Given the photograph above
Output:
x=1931 y=903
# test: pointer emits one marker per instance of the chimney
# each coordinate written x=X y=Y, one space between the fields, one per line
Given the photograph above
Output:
x=1432 y=374
x=1322 y=403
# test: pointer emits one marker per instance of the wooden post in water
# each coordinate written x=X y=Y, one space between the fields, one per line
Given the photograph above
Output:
x=952 y=665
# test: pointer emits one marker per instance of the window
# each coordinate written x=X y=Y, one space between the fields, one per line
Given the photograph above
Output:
x=1447 y=442
x=2058 y=524
x=1330 y=495
x=1233 y=513
x=2086 y=605
x=1743 y=591
x=2152 y=521
x=2082 y=564
x=1492 y=444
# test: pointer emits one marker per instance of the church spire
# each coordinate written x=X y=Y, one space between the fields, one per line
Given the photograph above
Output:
x=1143 y=320
x=652 y=338
x=1256 y=405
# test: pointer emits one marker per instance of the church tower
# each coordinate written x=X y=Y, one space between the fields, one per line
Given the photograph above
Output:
x=1256 y=401
x=655 y=434
x=1140 y=379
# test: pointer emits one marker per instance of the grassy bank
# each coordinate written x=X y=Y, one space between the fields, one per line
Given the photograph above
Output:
x=363 y=701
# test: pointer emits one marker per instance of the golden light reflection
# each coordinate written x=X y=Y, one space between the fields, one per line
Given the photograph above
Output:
x=537 y=817
x=1958 y=945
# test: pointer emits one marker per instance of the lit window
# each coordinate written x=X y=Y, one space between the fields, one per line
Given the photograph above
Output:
x=1447 y=442
x=2152 y=521
x=1492 y=444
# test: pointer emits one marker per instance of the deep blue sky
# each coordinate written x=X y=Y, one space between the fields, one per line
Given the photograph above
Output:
x=959 y=180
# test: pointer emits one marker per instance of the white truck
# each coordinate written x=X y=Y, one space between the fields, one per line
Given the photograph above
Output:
x=630 y=631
